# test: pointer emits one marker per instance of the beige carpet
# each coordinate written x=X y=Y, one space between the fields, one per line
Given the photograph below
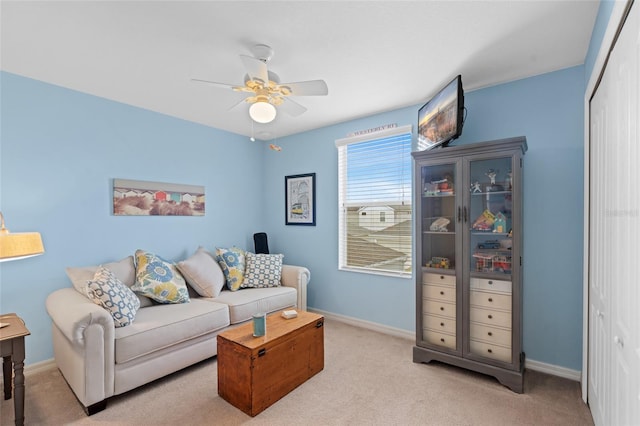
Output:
x=369 y=379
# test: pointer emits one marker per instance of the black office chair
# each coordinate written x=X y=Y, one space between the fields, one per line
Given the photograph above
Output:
x=260 y=242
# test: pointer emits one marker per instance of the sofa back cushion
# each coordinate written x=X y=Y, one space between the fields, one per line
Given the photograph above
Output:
x=202 y=273
x=124 y=269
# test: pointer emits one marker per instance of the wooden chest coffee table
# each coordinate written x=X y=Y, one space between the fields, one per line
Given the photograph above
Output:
x=255 y=372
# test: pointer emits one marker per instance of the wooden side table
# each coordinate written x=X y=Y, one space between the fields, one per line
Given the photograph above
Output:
x=12 y=352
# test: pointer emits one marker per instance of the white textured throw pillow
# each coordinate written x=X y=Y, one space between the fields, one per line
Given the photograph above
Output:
x=262 y=270
x=202 y=273
x=106 y=290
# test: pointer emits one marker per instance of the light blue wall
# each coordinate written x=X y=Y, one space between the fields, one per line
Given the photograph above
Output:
x=547 y=109
x=60 y=151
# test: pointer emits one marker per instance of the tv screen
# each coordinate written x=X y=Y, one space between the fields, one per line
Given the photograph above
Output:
x=440 y=120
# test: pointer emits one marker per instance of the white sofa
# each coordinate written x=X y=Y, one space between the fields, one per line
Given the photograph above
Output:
x=99 y=360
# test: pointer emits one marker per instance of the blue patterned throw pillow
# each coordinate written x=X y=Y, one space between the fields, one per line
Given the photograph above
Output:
x=106 y=290
x=263 y=270
x=232 y=262
x=158 y=279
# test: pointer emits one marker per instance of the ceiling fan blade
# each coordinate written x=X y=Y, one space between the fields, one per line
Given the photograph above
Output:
x=256 y=69
x=307 y=88
x=292 y=108
x=215 y=83
x=242 y=101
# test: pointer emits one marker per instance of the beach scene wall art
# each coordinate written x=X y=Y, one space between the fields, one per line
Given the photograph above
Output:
x=142 y=198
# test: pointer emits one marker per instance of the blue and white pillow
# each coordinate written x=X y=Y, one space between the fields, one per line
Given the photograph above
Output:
x=106 y=290
x=159 y=279
x=262 y=270
x=233 y=263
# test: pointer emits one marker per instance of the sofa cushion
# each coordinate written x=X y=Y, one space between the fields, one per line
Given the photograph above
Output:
x=262 y=270
x=123 y=269
x=106 y=290
x=246 y=302
x=202 y=273
x=232 y=262
x=159 y=279
x=162 y=326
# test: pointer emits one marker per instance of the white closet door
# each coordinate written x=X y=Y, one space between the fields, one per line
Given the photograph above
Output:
x=614 y=257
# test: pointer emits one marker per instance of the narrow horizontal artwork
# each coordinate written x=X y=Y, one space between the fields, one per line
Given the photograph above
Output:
x=142 y=198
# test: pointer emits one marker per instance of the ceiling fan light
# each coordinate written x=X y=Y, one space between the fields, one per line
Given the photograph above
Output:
x=262 y=112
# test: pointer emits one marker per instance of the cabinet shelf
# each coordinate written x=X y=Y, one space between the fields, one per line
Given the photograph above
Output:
x=491 y=276
x=489 y=233
x=443 y=195
x=491 y=193
x=440 y=271
x=439 y=232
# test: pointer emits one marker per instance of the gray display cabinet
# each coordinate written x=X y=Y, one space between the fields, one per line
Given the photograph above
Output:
x=468 y=214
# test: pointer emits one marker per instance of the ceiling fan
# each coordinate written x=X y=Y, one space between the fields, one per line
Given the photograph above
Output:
x=265 y=92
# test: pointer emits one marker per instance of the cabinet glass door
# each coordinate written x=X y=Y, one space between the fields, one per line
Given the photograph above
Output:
x=439 y=216
x=490 y=237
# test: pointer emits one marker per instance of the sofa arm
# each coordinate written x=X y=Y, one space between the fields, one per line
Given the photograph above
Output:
x=84 y=344
x=73 y=314
x=297 y=277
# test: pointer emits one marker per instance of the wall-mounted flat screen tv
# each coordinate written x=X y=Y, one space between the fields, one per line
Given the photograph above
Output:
x=440 y=120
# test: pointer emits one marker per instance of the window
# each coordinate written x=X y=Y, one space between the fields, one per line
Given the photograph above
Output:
x=374 y=179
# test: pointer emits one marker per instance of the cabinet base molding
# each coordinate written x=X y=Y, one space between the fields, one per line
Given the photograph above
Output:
x=513 y=379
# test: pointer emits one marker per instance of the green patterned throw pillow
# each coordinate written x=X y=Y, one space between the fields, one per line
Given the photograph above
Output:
x=263 y=270
x=106 y=290
x=159 y=279
x=232 y=262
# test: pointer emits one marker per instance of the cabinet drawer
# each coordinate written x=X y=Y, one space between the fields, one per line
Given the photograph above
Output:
x=446 y=294
x=439 y=308
x=446 y=325
x=490 y=300
x=497 y=336
x=489 y=317
x=487 y=350
x=441 y=339
x=440 y=279
x=491 y=285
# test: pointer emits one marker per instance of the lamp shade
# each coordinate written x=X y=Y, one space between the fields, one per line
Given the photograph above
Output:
x=262 y=112
x=20 y=245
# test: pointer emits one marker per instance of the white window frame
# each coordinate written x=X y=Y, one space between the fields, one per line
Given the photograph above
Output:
x=341 y=145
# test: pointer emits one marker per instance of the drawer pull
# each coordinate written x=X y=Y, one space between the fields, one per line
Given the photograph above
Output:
x=441 y=324
x=490 y=333
x=490 y=316
x=490 y=282
x=442 y=293
x=442 y=308
x=261 y=352
x=442 y=340
x=442 y=277
x=490 y=299
x=490 y=351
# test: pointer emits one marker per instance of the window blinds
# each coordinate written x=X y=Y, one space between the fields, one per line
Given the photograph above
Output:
x=374 y=178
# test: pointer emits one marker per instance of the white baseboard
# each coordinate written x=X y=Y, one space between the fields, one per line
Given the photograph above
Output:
x=542 y=367
x=385 y=329
x=554 y=370
x=37 y=367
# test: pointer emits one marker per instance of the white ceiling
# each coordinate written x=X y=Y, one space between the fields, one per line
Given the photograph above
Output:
x=375 y=56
